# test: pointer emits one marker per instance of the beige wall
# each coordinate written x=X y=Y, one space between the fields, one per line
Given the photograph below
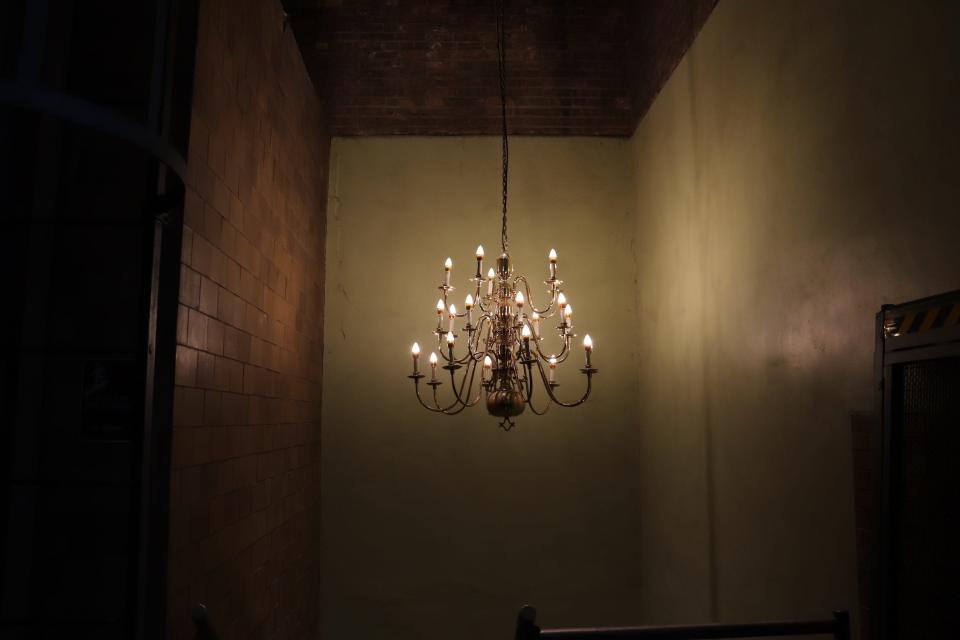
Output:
x=797 y=171
x=432 y=521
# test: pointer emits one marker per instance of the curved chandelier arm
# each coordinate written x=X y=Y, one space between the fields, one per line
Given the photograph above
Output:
x=452 y=409
x=588 y=372
x=465 y=403
x=550 y=311
x=530 y=387
x=561 y=357
x=437 y=408
x=474 y=343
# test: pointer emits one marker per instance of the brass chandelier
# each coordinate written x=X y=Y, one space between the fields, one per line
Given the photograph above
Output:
x=502 y=330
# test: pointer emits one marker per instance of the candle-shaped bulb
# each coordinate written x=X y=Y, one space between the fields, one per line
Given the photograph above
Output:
x=519 y=299
x=487 y=363
x=525 y=332
x=480 y=252
x=440 y=307
x=453 y=310
x=553 y=256
x=553 y=362
x=491 y=274
x=562 y=300
x=588 y=342
x=468 y=303
x=553 y=369
x=433 y=358
x=448 y=264
x=568 y=311
x=450 y=337
x=416 y=349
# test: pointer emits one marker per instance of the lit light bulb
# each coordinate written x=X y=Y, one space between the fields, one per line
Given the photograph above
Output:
x=490 y=276
x=450 y=338
x=553 y=362
x=480 y=252
x=525 y=332
x=468 y=303
x=453 y=309
x=553 y=256
x=568 y=311
x=488 y=363
x=416 y=349
x=553 y=369
x=433 y=366
x=562 y=300
x=519 y=299
x=535 y=318
x=448 y=264
x=433 y=358
x=588 y=342
x=453 y=317
x=440 y=307
x=416 y=358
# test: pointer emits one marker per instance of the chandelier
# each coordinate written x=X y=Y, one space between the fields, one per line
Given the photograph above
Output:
x=502 y=331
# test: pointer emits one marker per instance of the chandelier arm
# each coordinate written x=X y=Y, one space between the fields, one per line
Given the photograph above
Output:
x=521 y=375
x=586 y=394
x=543 y=313
x=561 y=357
x=449 y=410
x=475 y=339
x=459 y=404
x=436 y=409
x=466 y=403
x=530 y=387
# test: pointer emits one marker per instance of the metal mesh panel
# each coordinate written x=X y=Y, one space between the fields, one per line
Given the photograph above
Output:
x=926 y=495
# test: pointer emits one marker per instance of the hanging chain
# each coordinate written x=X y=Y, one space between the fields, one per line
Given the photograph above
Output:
x=501 y=67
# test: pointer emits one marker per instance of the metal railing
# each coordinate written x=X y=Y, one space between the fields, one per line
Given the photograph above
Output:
x=838 y=626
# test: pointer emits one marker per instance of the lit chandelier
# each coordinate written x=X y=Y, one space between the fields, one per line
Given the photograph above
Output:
x=502 y=331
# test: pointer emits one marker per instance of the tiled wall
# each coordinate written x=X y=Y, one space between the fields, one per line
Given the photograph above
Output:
x=244 y=512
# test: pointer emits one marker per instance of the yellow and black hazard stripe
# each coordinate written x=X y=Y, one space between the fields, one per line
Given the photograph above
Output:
x=918 y=321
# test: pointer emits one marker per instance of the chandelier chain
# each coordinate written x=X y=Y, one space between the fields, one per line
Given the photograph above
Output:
x=501 y=68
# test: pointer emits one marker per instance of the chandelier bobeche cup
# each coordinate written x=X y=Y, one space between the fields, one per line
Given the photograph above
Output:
x=502 y=333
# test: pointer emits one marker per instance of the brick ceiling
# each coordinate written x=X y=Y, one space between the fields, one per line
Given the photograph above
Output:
x=429 y=67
